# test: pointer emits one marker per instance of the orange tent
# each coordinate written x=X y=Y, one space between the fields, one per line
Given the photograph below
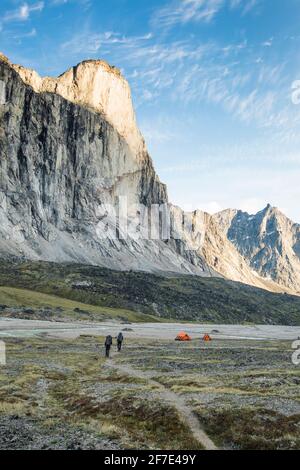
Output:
x=206 y=338
x=182 y=336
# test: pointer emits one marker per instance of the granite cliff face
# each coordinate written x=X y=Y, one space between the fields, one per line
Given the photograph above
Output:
x=70 y=148
x=62 y=163
x=97 y=86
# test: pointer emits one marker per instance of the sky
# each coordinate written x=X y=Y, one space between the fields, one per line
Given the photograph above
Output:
x=215 y=85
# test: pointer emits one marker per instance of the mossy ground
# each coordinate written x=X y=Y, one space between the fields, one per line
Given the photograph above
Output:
x=143 y=296
x=245 y=393
x=60 y=385
x=44 y=306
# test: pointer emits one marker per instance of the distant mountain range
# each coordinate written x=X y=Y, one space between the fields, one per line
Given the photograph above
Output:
x=70 y=148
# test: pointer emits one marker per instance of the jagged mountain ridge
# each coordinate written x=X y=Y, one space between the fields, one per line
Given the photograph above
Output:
x=64 y=151
x=268 y=240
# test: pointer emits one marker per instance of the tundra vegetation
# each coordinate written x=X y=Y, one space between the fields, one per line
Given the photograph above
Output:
x=80 y=292
x=62 y=394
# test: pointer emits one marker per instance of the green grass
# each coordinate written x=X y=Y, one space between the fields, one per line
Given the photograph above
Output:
x=244 y=398
x=145 y=296
x=62 y=384
x=252 y=428
x=14 y=297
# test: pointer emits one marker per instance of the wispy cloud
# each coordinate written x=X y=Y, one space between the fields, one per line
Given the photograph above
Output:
x=239 y=77
x=84 y=3
x=90 y=43
x=58 y=2
x=227 y=76
x=203 y=72
x=250 y=5
x=18 y=36
x=23 y=12
x=268 y=43
x=185 y=11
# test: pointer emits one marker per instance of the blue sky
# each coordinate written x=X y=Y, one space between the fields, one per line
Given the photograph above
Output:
x=211 y=82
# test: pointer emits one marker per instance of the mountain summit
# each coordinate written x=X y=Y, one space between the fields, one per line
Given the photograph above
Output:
x=268 y=240
x=97 y=86
x=71 y=150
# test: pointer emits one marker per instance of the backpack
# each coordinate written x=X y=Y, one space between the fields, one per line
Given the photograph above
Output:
x=120 y=337
x=108 y=341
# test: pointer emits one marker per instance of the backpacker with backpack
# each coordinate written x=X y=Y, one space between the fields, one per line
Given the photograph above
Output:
x=108 y=344
x=120 y=339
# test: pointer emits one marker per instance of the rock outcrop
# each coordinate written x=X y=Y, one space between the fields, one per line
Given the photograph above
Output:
x=97 y=86
x=203 y=235
x=70 y=149
x=61 y=165
x=268 y=240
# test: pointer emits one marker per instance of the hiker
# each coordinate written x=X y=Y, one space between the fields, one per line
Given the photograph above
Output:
x=108 y=344
x=120 y=339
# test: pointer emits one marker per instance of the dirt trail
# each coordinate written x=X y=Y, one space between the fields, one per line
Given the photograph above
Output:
x=185 y=412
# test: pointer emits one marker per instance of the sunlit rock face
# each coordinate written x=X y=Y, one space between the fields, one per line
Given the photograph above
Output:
x=205 y=236
x=98 y=86
x=70 y=148
x=268 y=240
x=63 y=166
